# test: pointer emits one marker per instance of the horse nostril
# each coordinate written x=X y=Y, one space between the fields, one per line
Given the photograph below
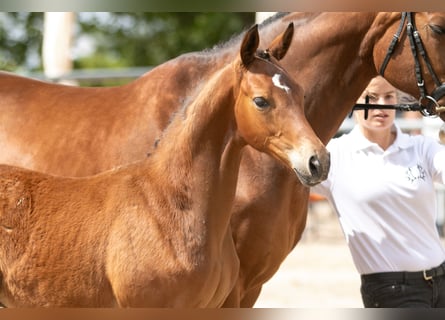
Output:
x=314 y=166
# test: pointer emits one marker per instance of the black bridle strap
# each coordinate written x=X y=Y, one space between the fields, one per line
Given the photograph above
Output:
x=417 y=69
x=432 y=106
x=416 y=37
x=417 y=47
x=413 y=40
x=393 y=43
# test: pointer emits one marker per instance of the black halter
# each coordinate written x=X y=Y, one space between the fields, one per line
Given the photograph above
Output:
x=432 y=107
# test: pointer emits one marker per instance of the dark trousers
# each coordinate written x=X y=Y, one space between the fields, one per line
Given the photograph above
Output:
x=404 y=289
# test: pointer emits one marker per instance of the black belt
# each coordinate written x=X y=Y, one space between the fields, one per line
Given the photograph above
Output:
x=427 y=275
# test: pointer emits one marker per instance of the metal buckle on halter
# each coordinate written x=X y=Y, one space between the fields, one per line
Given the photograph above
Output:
x=440 y=109
x=429 y=112
x=437 y=107
x=426 y=277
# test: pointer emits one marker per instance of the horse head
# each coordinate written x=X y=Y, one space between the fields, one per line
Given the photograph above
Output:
x=269 y=110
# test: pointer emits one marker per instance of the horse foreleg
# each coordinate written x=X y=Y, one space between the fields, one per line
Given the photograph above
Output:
x=233 y=299
x=250 y=297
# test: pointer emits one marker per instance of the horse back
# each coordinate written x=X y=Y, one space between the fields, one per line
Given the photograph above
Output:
x=70 y=130
x=79 y=131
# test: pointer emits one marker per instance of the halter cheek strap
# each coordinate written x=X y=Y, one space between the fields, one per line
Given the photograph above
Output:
x=392 y=45
x=432 y=107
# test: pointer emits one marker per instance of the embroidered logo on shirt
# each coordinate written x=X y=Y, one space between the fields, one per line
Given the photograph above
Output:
x=415 y=173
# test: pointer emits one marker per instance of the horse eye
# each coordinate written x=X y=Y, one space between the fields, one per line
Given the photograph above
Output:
x=437 y=29
x=261 y=103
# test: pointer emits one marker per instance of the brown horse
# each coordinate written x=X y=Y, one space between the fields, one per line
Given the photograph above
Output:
x=81 y=131
x=156 y=233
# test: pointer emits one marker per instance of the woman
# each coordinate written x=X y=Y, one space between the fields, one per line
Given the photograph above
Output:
x=381 y=185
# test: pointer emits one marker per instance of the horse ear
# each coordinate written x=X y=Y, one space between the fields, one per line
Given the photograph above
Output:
x=249 y=45
x=279 y=46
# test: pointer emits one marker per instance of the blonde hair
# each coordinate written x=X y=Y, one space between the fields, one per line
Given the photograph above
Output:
x=401 y=97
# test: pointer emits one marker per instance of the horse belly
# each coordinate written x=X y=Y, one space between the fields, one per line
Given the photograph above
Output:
x=28 y=288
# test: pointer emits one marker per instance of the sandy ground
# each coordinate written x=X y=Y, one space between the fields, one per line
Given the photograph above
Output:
x=319 y=272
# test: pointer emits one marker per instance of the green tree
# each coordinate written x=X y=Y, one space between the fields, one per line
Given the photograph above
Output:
x=119 y=39
x=20 y=40
x=141 y=39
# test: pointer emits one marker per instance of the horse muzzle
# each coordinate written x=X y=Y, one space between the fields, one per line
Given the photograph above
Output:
x=315 y=170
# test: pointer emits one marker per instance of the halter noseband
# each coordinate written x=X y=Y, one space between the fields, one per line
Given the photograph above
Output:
x=432 y=107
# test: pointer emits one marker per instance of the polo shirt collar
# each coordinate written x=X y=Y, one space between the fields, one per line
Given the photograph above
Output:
x=359 y=142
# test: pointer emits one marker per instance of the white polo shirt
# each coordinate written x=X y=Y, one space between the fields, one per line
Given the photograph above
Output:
x=385 y=200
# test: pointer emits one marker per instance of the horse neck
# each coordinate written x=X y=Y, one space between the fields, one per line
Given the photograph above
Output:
x=332 y=58
x=184 y=73
x=198 y=155
x=177 y=79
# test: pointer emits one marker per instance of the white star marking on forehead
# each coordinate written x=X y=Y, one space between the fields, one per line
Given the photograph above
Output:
x=276 y=81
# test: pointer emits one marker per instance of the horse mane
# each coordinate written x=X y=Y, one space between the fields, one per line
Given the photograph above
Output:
x=219 y=49
x=214 y=53
x=233 y=40
x=272 y=19
x=207 y=86
x=202 y=96
x=236 y=38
